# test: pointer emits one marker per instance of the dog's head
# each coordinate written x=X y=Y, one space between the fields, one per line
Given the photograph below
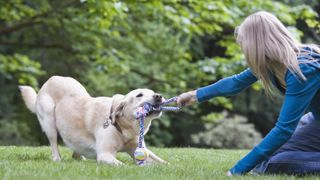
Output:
x=124 y=107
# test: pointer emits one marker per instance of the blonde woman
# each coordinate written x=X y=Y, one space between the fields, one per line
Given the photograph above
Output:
x=282 y=63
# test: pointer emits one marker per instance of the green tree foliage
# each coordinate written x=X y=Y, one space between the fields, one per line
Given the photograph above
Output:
x=116 y=46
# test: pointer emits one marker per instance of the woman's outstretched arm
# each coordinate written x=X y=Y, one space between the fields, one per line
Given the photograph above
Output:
x=227 y=86
x=224 y=87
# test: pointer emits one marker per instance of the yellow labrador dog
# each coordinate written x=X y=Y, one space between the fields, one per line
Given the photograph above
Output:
x=94 y=127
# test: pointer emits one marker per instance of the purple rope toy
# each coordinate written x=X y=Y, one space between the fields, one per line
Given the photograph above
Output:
x=141 y=153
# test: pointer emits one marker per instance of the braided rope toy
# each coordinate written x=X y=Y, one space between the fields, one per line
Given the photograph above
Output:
x=141 y=154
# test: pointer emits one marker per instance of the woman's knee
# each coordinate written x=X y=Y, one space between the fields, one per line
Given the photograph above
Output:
x=306 y=119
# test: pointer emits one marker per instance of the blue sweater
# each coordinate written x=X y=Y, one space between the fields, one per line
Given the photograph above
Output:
x=300 y=97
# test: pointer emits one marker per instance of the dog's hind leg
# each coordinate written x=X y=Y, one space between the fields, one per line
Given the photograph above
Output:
x=46 y=115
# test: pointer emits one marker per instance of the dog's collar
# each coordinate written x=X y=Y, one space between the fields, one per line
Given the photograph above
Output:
x=117 y=127
x=109 y=122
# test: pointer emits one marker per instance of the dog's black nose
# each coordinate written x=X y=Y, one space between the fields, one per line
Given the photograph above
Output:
x=157 y=97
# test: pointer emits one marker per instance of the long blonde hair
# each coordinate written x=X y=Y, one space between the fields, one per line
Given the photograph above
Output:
x=269 y=48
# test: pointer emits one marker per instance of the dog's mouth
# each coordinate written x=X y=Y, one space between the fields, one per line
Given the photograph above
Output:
x=153 y=113
x=153 y=110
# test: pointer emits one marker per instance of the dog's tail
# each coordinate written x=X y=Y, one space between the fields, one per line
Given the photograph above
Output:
x=29 y=96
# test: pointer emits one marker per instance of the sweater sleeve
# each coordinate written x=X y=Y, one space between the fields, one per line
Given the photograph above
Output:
x=298 y=96
x=227 y=86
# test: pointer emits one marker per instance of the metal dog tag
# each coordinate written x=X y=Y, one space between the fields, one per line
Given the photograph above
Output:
x=106 y=124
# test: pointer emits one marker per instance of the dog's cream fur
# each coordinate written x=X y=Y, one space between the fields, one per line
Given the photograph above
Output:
x=63 y=106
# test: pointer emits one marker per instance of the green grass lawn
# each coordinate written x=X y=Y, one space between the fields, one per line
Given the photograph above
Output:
x=185 y=163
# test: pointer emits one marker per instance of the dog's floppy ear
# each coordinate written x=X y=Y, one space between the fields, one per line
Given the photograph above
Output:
x=117 y=107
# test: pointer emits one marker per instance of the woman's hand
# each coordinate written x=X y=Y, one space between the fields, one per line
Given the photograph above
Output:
x=229 y=174
x=187 y=98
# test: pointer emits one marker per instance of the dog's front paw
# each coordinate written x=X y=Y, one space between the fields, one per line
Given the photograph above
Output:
x=117 y=163
x=165 y=162
x=112 y=162
x=56 y=159
x=109 y=159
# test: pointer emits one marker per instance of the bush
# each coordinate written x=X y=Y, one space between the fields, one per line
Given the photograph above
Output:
x=227 y=132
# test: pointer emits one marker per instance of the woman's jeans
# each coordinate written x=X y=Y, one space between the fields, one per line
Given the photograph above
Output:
x=300 y=155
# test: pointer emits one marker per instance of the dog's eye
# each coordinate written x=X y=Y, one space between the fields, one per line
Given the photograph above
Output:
x=139 y=95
